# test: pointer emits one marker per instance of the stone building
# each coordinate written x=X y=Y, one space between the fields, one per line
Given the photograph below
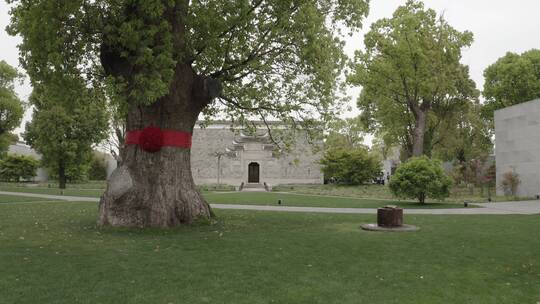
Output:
x=517 y=145
x=240 y=157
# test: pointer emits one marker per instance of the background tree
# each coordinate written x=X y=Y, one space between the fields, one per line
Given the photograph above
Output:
x=352 y=167
x=64 y=130
x=511 y=80
x=97 y=167
x=489 y=179
x=168 y=61
x=410 y=73
x=219 y=155
x=14 y=168
x=462 y=136
x=11 y=107
x=114 y=144
x=345 y=133
x=420 y=178
x=346 y=159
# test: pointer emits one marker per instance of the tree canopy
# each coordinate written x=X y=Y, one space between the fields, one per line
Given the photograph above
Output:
x=64 y=128
x=168 y=61
x=345 y=133
x=11 y=107
x=512 y=79
x=463 y=136
x=271 y=58
x=411 y=76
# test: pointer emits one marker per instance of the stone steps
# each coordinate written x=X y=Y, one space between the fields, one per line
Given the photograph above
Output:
x=253 y=187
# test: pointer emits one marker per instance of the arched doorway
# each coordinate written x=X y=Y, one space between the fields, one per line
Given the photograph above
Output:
x=253 y=173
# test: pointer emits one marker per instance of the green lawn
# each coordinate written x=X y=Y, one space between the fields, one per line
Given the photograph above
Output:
x=347 y=195
x=89 y=189
x=52 y=191
x=457 y=194
x=369 y=191
x=271 y=198
x=53 y=253
x=97 y=184
x=18 y=199
x=261 y=198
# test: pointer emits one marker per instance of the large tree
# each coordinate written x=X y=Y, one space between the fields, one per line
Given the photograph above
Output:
x=411 y=75
x=168 y=61
x=462 y=137
x=11 y=107
x=511 y=80
x=64 y=128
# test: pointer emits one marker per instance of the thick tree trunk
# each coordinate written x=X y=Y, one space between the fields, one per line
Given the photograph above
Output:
x=219 y=169
x=157 y=189
x=419 y=132
x=422 y=198
x=62 y=176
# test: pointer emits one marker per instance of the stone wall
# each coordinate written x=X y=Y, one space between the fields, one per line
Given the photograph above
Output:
x=299 y=166
x=517 y=145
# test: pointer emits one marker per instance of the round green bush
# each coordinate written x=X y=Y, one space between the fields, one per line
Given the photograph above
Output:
x=14 y=168
x=420 y=178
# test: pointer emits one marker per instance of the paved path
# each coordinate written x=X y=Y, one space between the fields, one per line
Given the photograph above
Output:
x=522 y=207
x=53 y=197
x=533 y=209
x=525 y=207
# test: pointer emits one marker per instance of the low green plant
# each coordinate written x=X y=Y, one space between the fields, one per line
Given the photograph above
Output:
x=18 y=167
x=97 y=167
x=352 y=167
x=420 y=178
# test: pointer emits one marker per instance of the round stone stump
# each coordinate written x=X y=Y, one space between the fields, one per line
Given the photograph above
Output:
x=403 y=228
x=390 y=217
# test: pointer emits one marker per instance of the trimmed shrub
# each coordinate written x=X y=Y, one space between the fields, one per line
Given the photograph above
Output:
x=353 y=167
x=98 y=168
x=420 y=178
x=14 y=168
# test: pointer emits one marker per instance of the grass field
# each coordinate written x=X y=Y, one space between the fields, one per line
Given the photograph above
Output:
x=53 y=253
x=373 y=192
x=88 y=189
x=265 y=198
x=457 y=194
x=291 y=199
x=18 y=199
x=53 y=191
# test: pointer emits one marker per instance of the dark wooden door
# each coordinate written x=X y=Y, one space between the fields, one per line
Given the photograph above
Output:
x=253 y=173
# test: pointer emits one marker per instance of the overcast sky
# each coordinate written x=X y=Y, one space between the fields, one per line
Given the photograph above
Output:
x=499 y=26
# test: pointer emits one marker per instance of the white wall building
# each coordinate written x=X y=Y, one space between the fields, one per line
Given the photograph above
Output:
x=517 y=145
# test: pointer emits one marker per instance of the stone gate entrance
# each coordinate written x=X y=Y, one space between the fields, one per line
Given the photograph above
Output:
x=253 y=173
